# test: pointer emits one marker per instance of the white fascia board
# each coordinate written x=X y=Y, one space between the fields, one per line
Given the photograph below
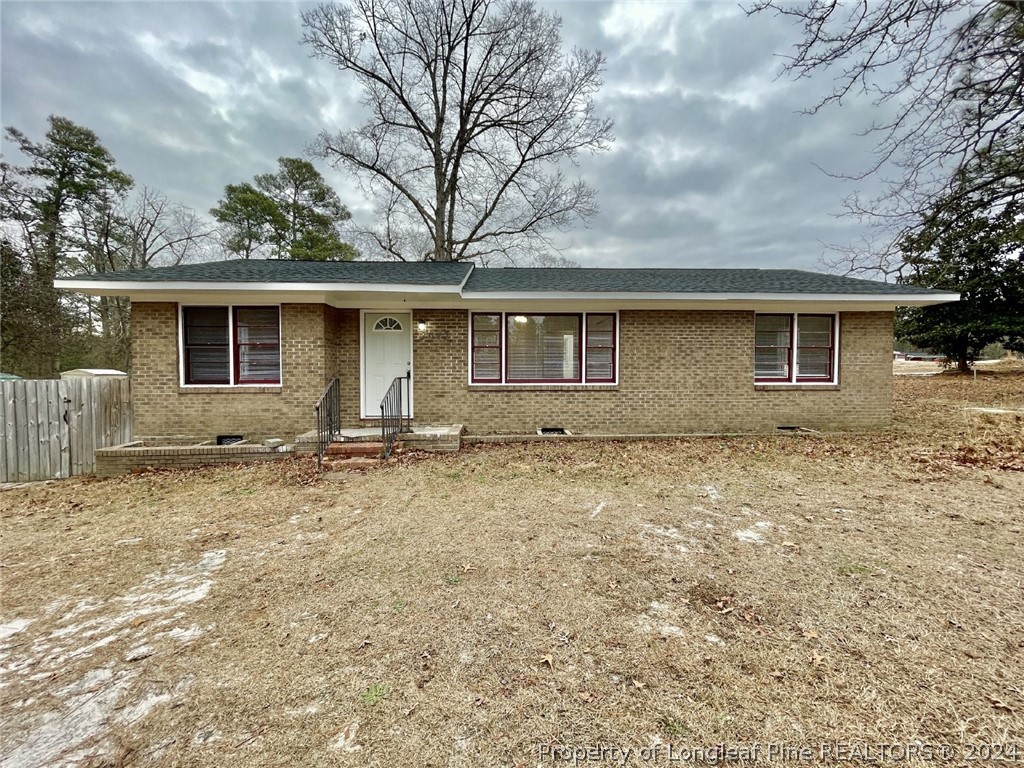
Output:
x=469 y=274
x=125 y=287
x=318 y=292
x=899 y=299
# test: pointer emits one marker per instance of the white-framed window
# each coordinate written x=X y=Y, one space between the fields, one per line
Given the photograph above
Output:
x=543 y=348
x=796 y=348
x=225 y=346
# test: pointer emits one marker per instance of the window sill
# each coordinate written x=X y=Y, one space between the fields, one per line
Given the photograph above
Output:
x=542 y=387
x=232 y=389
x=791 y=387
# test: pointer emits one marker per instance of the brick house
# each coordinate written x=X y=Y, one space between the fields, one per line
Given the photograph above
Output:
x=247 y=347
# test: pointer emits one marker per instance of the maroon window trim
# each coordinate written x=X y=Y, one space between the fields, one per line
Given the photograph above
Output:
x=794 y=341
x=793 y=352
x=789 y=350
x=188 y=346
x=579 y=348
x=261 y=345
x=234 y=377
x=613 y=347
x=475 y=346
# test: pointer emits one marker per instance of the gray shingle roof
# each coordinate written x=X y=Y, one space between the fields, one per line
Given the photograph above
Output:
x=674 y=281
x=512 y=280
x=288 y=271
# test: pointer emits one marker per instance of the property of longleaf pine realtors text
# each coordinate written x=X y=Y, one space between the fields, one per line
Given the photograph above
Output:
x=828 y=752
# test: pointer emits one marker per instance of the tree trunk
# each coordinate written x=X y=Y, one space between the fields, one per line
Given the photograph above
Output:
x=46 y=273
x=963 y=362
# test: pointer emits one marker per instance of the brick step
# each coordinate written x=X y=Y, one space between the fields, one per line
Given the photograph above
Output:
x=355 y=449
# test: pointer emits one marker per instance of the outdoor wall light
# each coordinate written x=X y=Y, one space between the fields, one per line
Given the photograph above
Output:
x=421 y=326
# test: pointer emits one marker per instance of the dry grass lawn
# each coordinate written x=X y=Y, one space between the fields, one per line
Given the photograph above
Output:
x=466 y=610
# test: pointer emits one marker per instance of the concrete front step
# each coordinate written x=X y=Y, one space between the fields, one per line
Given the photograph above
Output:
x=374 y=449
x=443 y=438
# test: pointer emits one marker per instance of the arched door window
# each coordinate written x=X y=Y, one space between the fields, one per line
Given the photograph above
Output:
x=387 y=324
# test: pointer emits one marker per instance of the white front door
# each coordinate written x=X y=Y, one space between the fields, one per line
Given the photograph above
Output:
x=387 y=354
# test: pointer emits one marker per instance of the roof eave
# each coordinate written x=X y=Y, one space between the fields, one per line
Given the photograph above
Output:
x=134 y=287
x=143 y=288
x=895 y=299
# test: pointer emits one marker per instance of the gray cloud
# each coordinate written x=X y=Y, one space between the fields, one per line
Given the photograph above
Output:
x=713 y=164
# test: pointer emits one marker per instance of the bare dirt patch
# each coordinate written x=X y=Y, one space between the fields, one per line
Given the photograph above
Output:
x=465 y=609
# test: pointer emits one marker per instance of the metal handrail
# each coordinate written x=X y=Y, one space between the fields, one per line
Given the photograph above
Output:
x=328 y=418
x=393 y=417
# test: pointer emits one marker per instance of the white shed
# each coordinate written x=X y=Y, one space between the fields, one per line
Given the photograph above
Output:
x=94 y=373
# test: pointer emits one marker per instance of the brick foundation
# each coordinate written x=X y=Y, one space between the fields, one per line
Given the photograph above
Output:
x=122 y=459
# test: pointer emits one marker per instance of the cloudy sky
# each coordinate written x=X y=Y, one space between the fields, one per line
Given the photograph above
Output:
x=713 y=164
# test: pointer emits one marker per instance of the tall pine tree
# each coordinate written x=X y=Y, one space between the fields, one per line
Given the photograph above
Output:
x=68 y=174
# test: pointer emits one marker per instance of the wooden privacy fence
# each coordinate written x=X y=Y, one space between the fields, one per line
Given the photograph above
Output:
x=53 y=428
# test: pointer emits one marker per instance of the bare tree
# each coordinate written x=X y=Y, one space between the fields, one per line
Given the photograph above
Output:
x=160 y=233
x=952 y=72
x=475 y=109
x=554 y=261
x=138 y=232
